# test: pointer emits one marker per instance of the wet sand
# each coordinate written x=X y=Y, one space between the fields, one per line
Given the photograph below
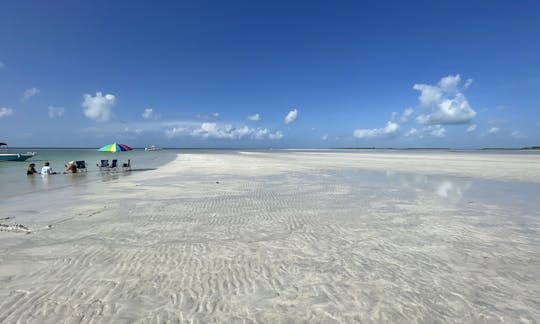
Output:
x=283 y=237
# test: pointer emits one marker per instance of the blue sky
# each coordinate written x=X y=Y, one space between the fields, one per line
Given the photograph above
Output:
x=460 y=74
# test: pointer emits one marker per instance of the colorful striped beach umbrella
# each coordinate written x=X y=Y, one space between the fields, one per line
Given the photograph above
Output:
x=115 y=147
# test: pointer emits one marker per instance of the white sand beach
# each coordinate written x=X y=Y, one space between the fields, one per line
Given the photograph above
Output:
x=282 y=237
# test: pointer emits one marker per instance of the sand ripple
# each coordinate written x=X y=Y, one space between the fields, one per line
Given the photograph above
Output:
x=303 y=246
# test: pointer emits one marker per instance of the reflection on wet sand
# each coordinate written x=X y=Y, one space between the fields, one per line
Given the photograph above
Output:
x=450 y=188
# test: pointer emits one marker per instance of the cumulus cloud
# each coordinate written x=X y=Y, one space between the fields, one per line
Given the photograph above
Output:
x=263 y=133
x=4 y=112
x=436 y=131
x=431 y=130
x=56 y=112
x=450 y=83
x=444 y=102
x=275 y=136
x=213 y=130
x=390 y=129
x=255 y=117
x=291 y=116
x=150 y=114
x=98 y=107
x=494 y=130
x=471 y=128
x=411 y=132
x=406 y=115
x=29 y=93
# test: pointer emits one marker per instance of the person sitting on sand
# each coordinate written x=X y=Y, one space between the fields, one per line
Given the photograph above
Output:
x=47 y=169
x=31 y=169
x=71 y=167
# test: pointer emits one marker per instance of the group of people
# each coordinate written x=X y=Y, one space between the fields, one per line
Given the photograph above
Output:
x=47 y=169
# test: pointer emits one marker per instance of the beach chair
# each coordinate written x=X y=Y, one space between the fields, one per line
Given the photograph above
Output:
x=114 y=164
x=81 y=166
x=126 y=166
x=104 y=165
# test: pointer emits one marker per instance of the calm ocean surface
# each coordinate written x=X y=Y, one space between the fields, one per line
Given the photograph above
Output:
x=14 y=181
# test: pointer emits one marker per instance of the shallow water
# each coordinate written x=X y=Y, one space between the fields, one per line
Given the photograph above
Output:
x=14 y=181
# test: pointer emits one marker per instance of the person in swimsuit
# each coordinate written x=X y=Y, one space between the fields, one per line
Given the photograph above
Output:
x=71 y=167
x=31 y=169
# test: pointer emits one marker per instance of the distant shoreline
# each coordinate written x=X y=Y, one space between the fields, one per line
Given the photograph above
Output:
x=298 y=148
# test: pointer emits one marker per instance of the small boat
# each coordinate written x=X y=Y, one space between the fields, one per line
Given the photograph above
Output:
x=7 y=155
x=152 y=148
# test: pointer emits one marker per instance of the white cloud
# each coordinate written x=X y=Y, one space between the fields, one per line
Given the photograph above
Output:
x=56 y=112
x=429 y=95
x=149 y=114
x=471 y=128
x=431 y=130
x=449 y=83
x=436 y=131
x=147 y=126
x=411 y=132
x=255 y=117
x=325 y=137
x=390 y=129
x=468 y=83
x=4 y=112
x=213 y=130
x=406 y=116
x=444 y=102
x=263 y=133
x=266 y=133
x=494 y=130
x=182 y=128
x=275 y=136
x=29 y=93
x=291 y=116
x=98 y=107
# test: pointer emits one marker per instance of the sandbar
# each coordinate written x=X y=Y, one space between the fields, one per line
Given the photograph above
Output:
x=280 y=237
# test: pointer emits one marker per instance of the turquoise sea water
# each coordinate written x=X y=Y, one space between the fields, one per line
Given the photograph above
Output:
x=14 y=181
